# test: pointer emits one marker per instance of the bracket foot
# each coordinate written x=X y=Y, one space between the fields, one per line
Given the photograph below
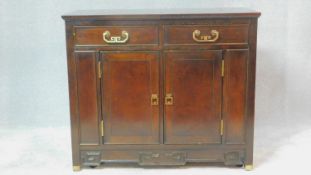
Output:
x=76 y=168
x=248 y=167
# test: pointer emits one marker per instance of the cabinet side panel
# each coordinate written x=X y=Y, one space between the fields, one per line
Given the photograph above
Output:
x=72 y=96
x=87 y=96
x=251 y=76
x=235 y=95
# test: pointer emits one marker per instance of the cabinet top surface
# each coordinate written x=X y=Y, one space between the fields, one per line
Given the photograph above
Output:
x=121 y=14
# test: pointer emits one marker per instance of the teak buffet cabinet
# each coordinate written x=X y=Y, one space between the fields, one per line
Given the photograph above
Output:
x=162 y=87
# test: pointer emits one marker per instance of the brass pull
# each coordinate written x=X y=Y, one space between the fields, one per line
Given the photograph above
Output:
x=116 y=39
x=169 y=99
x=154 y=99
x=205 y=38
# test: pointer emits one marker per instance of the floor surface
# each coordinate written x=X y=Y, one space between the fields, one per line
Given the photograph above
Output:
x=47 y=151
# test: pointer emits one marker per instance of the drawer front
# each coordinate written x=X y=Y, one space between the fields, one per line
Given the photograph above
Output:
x=116 y=35
x=203 y=34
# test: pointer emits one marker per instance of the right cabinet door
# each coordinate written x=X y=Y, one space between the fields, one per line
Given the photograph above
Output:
x=193 y=90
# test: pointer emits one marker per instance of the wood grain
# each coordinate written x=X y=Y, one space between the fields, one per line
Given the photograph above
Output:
x=159 y=58
x=138 y=35
x=129 y=80
x=183 y=34
x=87 y=97
x=234 y=101
x=194 y=80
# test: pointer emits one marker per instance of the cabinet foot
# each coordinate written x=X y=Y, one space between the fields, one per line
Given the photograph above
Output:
x=76 y=168
x=248 y=167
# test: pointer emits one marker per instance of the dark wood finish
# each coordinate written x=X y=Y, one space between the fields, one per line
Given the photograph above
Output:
x=153 y=14
x=93 y=35
x=87 y=97
x=129 y=80
x=194 y=80
x=182 y=35
x=72 y=83
x=250 y=96
x=234 y=98
x=161 y=57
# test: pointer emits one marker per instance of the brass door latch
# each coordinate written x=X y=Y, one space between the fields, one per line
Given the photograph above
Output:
x=169 y=99
x=154 y=99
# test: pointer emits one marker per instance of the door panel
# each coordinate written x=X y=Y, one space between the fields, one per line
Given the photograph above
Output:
x=235 y=95
x=87 y=97
x=129 y=80
x=194 y=80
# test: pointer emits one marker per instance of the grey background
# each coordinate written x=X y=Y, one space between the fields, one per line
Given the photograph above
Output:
x=33 y=74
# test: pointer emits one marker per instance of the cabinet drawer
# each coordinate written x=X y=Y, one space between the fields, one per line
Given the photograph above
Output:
x=116 y=35
x=206 y=34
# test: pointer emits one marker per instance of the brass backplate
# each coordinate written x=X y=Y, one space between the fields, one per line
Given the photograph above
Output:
x=154 y=99
x=169 y=100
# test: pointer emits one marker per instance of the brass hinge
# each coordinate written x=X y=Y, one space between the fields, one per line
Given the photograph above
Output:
x=102 y=128
x=223 y=68
x=99 y=69
x=74 y=34
x=222 y=127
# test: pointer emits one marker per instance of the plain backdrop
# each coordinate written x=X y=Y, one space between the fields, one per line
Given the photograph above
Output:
x=34 y=104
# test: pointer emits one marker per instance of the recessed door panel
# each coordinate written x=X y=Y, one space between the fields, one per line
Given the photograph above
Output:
x=193 y=97
x=130 y=92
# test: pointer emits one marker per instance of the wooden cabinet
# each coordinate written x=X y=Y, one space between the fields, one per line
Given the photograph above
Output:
x=162 y=88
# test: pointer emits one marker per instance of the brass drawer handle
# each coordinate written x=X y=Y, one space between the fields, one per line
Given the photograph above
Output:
x=205 y=38
x=169 y=99
x=115 y=39
x=154 y=99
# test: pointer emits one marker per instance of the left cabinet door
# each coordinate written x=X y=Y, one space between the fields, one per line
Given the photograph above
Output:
x=88 y=92
x=130 y=97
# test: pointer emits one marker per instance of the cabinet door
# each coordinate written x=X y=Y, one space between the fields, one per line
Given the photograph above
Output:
x=193 y=97
x=88 y=91
x=130 y=92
